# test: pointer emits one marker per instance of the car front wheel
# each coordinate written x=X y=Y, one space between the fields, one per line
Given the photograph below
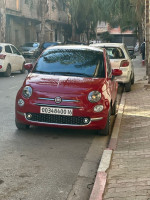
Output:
x=107 y=129
x=128 y=86
x=132 y=80
x=22 y=71
x=21 y=125
x=113 y=110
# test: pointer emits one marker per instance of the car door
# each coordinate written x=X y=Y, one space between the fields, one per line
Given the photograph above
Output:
x=111 y=81
x=9 y=59
x=18 y=59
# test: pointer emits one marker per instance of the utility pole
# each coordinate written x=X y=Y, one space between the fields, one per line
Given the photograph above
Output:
x=2 y=20
x=147 y=38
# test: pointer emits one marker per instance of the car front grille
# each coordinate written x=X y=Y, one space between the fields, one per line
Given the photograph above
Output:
x=57 y=119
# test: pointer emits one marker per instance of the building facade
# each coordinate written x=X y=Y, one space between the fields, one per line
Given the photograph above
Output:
x=23 y=21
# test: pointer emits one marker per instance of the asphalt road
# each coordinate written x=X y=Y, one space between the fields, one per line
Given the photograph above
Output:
x=44 y=163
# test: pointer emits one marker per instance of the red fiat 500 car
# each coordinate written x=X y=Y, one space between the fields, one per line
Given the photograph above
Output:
x=70 y=87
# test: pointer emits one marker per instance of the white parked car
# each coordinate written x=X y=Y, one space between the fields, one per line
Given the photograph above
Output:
x=120 y=58
x=11 y=59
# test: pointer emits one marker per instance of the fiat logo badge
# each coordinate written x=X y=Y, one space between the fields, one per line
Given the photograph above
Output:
x=58 y=100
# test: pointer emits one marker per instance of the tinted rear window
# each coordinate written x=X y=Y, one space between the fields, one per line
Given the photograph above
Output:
x=45 y=45
x=115 y=52
x=0 y=49
x=8 y=49
x=71 y=62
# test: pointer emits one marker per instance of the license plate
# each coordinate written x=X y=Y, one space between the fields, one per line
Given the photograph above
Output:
x=56 y=111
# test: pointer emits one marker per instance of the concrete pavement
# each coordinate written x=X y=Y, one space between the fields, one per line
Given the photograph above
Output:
x=124 y=171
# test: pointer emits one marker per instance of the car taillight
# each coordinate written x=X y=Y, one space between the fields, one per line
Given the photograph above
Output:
x=0 y=66
x=2 y=56
x=124 y=63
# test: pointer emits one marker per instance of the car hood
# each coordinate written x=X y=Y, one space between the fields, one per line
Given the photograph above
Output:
x=28 y=48
x=64 y=84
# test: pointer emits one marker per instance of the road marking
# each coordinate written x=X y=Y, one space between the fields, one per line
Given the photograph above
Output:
x=12 y=87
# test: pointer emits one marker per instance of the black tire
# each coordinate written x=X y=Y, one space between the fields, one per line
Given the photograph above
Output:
x=132 y=80
x=8 y=71
x=128 y=86
x=114 y=110
x=21 y=126
x=22 y=71
x=107 y=130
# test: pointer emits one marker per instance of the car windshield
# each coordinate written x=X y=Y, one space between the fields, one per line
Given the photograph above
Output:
x=31 y=45
x=115 y=52
x=68 y=62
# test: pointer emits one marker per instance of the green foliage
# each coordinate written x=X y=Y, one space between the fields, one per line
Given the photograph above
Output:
x=85 y=14
x=124 y=13
x=107 y=37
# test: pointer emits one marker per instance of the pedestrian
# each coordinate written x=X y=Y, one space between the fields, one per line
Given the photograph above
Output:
x=142 y=50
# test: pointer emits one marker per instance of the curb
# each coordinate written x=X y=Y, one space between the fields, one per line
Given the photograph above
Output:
x=101 y=177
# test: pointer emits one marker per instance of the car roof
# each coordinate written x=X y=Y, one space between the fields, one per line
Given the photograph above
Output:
x=76 y=47
x=107 y=44
x=4 y=44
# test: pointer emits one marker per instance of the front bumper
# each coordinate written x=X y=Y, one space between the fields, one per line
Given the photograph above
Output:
x=81 y=121
x=27 y=53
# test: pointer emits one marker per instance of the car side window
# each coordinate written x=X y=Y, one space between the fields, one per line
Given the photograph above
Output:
x=15 y=51
x=109 y=69
x=127 y=50
x=8 y=49
x=101 y=70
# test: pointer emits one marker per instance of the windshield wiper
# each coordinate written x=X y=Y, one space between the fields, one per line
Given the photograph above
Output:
x=73 y=74
x=64 y=73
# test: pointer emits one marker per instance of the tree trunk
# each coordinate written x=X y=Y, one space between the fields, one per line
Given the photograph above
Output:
x=43 y=5
x=3 y=20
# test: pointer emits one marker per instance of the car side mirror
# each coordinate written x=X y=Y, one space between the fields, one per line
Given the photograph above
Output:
x=28 y=66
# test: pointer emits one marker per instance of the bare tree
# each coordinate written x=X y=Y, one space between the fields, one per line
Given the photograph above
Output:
x=2 y=19
x=42 y=10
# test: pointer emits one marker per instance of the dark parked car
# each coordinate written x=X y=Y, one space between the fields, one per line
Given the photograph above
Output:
x=131 y=51
x=44 y=45
x=69 y=87
x=29 y=49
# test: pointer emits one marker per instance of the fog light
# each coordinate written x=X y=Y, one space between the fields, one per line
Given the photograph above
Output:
x=86 y=120
x=29 y=116
x=98 y=108
x=21 y=102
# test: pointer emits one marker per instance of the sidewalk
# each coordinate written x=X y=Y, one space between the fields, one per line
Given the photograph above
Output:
x=128 y=173
x=128 y=177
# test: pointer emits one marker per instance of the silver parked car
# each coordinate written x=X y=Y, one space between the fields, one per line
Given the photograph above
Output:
x=11 y=59
x=29 y=49
x=120 y=58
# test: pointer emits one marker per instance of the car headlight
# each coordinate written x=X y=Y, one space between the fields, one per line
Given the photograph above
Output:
x=27 y=92
x=94 y=96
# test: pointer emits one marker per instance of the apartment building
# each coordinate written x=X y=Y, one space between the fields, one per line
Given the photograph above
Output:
x=24 y=20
